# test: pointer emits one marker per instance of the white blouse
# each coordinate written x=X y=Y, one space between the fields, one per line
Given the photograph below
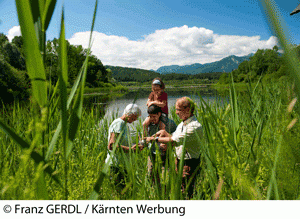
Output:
x=192 y=129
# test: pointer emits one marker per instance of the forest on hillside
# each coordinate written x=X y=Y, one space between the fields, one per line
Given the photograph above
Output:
x=15 y=83
x=266 y=64
x=123 y=74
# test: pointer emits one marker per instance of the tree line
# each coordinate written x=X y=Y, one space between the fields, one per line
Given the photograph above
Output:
x=122 y=74
x=268 y=64
x=14 y=82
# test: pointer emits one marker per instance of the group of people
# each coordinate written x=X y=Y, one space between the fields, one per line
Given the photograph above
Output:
x=159 y=133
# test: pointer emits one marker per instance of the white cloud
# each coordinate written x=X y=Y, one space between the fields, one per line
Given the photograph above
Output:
x=15 y=31
x=175 y=46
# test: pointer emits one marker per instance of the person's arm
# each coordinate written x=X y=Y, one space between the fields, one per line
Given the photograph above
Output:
x=148 y=102
x=141 y=147
x=160 y=104
x=112 y=141
x=150 y=99
x=162 y=135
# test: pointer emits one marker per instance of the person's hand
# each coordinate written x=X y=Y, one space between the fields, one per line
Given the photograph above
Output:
x=150 y=103
x=160 y=133
x=148 y=139
x=133 y=147
x=141 y=147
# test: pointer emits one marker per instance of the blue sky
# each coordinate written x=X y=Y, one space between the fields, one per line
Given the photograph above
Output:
x=149 y=34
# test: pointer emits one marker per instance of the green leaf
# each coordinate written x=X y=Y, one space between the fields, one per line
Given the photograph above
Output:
x=63 y=80
x=35 y=9
x=34 y=61
x=63 y=52
x=38 y=159
x=41 y=192
x=58 y=128
x=279 y=28
x=75 y=119
x=24 y=145
x=48 y=11
x=20 y=141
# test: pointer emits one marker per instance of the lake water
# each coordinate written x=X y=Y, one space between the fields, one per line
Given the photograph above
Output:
x=117 y=105
x=106 y=106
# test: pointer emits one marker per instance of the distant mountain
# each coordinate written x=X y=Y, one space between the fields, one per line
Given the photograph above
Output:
x=224 y=65
x=141 y=75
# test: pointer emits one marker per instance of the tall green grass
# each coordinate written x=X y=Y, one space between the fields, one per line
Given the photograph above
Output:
x=53 y=148
x=34 y=18
x=258 y=160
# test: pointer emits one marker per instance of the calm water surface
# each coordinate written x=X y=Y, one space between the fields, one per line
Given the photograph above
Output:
x=117 y=105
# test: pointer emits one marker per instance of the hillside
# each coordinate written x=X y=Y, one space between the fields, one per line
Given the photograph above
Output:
x=141 y=75
x=224 y=65
x=131 y=74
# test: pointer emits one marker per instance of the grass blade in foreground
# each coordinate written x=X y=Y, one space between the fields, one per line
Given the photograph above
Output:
x=77 y=108
x=34 y=155
x=47 y=14
x=76 y=84
x=34 y=61
x=279 y=28
x=63 y=81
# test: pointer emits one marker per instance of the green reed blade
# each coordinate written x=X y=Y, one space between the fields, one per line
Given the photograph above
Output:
x=38 y=159
x=62 y=54
x=177 y=193
x=234 y=104
x=58 y=128
x=63 y=80
x=41 y=185
x=207 y=130
x=53 y=141
x=76 y=115
x=47 y=14
x=53 y=93
x=76 y=83
x=209 y=152
x=273 y=182
x=104 y=172
x=34 y=155
x=77 y=108
x=34 y=61
x=278 y=26
x=72 y=94
x=35 y=9
x=19 y=140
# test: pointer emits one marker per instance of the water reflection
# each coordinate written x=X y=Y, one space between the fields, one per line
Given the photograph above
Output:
x=117 y=105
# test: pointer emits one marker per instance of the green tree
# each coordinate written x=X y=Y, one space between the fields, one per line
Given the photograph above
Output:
x=244 y=67
x=14 y=84
x=96 y=72
x=272 y=60
x=13 y=56
x=257 y=62
x=224 y=78
x=3 y=39
x=18 y=42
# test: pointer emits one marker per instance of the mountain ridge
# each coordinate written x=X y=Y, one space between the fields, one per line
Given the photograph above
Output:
x=226 y=64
